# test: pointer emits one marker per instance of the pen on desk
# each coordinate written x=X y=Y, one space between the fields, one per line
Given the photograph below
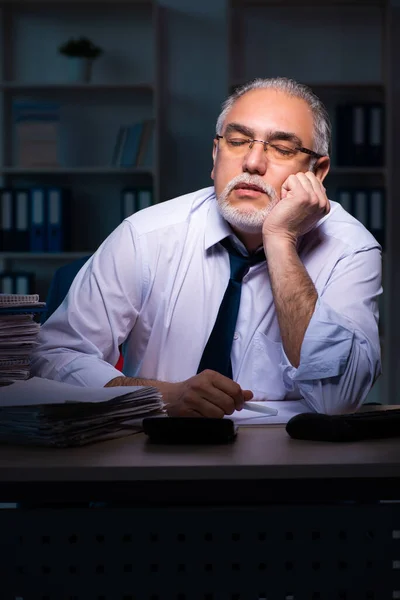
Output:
x=266 y=410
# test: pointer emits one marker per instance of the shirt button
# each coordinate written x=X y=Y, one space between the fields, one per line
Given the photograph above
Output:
x=236 y=335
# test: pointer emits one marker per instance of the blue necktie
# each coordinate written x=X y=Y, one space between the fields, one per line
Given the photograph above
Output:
x=217 y=353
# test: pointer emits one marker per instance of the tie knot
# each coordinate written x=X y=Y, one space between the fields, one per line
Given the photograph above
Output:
x=239 y=263
x=239 y=266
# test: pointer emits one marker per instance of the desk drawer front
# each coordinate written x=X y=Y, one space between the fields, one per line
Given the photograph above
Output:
x=346 y=552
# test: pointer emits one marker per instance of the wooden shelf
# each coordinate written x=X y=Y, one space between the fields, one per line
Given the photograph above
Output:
x=77 y=171
x=317 y=3
x=44 y=255
x=357 y=171
x=17 y=3
x=339 y=85
x=75 y=87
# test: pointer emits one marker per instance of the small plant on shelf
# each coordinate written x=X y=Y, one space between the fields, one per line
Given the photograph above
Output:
x=86 y=52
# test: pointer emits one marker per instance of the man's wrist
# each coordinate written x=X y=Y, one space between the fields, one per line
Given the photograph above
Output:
x=117 y=381
x=280 y=241
x=169 y=391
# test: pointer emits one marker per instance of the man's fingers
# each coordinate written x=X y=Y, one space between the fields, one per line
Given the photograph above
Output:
x=311 y=194
x=319 y=190
x=229 y=387
x=204 y=406
x=247 y=395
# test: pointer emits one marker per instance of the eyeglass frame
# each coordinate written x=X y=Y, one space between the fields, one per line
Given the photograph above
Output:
x=298 y=148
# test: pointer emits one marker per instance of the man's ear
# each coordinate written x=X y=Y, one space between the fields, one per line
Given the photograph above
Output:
x=321 y=167
x=214 y=156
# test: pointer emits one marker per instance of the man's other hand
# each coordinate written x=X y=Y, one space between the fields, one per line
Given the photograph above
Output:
x=303 y=202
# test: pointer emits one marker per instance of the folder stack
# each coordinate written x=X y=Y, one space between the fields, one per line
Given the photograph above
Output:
x=34 y=219
x=50 y=413
x=18 y=335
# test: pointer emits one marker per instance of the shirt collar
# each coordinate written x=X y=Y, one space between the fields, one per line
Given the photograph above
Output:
x=216 y=227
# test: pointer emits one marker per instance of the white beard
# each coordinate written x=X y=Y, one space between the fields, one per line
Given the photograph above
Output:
x=246 y=219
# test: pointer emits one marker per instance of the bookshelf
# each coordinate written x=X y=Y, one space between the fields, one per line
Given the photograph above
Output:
x=124 y=89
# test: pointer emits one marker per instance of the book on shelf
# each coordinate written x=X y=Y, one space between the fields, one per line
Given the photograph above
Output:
x=133 y=146
x=36 y=134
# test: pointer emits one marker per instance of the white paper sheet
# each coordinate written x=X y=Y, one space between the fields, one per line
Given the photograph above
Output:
x=286 y=410
x=45 y=391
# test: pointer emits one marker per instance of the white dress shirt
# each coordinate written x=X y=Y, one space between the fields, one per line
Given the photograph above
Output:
x=156 y=283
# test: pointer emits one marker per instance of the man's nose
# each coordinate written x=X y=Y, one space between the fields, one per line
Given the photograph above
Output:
x=255 y=160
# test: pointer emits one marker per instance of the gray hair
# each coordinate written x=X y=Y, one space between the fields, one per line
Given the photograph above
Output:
x=322 y=125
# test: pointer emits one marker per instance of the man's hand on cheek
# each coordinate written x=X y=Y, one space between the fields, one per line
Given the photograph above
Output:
x=303 y=202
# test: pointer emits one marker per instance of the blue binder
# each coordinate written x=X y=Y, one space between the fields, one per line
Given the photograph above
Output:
x=6 y=220
x=55 y=219
x=345 y=198
x=361 y=206
x=23 y=283
x=7 y=285
x=37 y=221
x=377 y=212
x=21 y=219
x=376 y=135
x=128 y=202
x=144 y=198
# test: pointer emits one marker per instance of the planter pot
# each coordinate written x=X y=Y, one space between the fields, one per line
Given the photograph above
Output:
x=80 y=70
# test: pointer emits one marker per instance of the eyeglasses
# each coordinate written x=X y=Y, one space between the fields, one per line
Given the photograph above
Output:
x=282 y=151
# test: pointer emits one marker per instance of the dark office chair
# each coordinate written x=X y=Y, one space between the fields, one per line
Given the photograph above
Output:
x=59 y=287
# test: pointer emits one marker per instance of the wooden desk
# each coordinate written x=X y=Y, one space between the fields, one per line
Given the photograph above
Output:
x=264 y=517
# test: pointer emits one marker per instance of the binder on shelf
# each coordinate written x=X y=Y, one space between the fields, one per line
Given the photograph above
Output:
x=16 y=282
x=360 y=204
x=344 y=197
x=23 y=283
x=377 y=215
x=343 y=130
x=21 y=219
x=37 y=223
x=7 y=283
x=144 y=198
x=376 y=143
x=359 y=135
x=128 y=202
x=56 y=220
x=6 y=220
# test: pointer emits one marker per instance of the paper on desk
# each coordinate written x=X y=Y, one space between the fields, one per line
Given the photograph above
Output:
x=286 y=410
x=45 y=391
x=51 y=413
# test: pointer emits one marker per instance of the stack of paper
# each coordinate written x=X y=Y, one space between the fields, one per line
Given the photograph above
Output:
x=18 y=335
x=50 y=413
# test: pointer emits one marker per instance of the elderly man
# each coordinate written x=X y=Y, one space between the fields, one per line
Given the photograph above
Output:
x=258 y=286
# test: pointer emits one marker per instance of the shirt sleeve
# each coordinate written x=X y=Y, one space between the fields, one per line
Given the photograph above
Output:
x=340 y=354
x=79 y=343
